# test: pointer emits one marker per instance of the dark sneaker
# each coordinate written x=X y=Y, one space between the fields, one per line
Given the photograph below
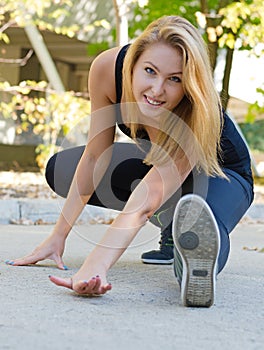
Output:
x=197 y=242
x=164 y=255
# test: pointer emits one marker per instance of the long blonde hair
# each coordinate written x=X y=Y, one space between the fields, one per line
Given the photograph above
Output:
x=198 y=114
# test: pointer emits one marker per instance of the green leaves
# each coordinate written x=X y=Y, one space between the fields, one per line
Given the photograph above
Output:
x=46 y=113
x=42 y=13
x=256 y=109
x=243 y=20
x=4 y=38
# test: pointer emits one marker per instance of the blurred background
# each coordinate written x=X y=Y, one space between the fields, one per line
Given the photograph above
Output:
x=47 y=47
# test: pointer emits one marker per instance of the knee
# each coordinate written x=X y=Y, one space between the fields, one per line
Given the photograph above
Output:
x=49 y=172
x=56 y=176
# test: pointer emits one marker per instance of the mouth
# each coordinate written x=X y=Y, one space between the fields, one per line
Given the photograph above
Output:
x=153 y=102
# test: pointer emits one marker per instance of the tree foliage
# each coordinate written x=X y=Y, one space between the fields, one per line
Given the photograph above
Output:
x=154 y=9
x=243 y=22
x=42 y=13
x=256 y=109
x=49 y=117
x=225 y=24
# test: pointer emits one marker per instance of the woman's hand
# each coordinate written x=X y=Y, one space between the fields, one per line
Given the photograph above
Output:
x=52 y=248
x=89 y=280
x=93 y=286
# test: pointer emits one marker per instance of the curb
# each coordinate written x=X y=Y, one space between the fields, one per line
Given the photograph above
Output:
x=46 y=211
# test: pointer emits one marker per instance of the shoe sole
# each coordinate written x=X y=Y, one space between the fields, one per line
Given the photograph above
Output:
x=157 y=262
x=196 y=237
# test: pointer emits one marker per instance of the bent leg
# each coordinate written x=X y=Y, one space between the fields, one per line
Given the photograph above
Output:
x=61 y=168
x=125 y=170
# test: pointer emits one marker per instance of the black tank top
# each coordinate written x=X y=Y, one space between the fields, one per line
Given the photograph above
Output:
x=234 y=156
x=141 y=134
x=118 y=81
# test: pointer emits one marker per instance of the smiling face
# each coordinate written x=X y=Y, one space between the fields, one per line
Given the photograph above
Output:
x=157 y=79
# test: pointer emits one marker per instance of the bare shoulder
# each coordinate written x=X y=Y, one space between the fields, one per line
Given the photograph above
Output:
x=102 y=75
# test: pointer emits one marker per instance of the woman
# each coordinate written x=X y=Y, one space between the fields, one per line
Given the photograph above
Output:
x=187 y=153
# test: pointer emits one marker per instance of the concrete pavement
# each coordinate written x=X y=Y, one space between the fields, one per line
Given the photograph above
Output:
x=142 y=311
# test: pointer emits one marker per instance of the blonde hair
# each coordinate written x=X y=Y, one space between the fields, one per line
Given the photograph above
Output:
x=198 y=115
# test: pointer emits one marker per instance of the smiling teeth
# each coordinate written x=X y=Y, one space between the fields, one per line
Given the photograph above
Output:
x=153 y=102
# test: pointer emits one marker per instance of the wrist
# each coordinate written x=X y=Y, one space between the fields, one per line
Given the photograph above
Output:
x=61 y=229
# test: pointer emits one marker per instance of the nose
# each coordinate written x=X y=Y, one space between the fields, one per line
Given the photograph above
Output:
x=158 y=87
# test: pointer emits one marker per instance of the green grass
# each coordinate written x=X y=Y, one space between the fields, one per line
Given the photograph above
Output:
x=254 y=134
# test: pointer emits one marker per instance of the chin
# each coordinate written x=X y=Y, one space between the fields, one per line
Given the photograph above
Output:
x=152 y=115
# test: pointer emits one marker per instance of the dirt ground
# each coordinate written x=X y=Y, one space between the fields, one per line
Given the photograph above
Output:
x=33 y=185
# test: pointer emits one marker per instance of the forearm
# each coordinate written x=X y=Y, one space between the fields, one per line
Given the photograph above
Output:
x=149 y=195
x=70 y=212
x=115 y=241
x=83 y=185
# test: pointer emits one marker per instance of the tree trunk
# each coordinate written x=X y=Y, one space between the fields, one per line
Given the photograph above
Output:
x=226 y=79
x=204 y=6
x=121 y=9
x=213 y=51
x=44 y=57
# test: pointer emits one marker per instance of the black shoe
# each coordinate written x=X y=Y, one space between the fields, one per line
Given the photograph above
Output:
x=197 y=242
x=163 y=256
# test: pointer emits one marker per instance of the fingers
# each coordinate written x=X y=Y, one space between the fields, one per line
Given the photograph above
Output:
x=106 y=288
x=62 y=282
x=33 y=258
x=27 y=260
x=59 y=262
x=92 y=287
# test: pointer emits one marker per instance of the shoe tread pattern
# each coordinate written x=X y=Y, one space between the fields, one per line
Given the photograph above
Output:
x=198 y=281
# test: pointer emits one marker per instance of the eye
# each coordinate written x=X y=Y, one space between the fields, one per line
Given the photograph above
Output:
x=175 y=79
x=149 y=70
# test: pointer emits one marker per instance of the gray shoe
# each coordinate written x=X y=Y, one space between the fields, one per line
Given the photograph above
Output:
x=197 y=242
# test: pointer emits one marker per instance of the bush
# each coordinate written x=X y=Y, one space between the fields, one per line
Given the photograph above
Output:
x=254 y=134
x=49 y=117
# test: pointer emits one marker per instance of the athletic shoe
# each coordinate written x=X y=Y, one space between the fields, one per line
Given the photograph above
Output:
x=163 y=256
x=197 y=242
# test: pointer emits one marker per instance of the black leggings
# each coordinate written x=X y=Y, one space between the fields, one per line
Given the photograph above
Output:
x=229 y=200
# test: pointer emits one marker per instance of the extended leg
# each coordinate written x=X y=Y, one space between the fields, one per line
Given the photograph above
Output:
x=201 y=238
x=229 y=200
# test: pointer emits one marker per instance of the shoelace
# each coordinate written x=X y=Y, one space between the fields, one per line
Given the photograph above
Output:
x=166 y=238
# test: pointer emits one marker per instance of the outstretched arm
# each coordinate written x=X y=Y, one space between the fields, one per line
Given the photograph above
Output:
x=157 y=186
x=92 y=165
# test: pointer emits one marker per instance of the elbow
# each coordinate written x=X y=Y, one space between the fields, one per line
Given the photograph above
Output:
x=149 y=212
x=145 y=214
x=143 y=209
